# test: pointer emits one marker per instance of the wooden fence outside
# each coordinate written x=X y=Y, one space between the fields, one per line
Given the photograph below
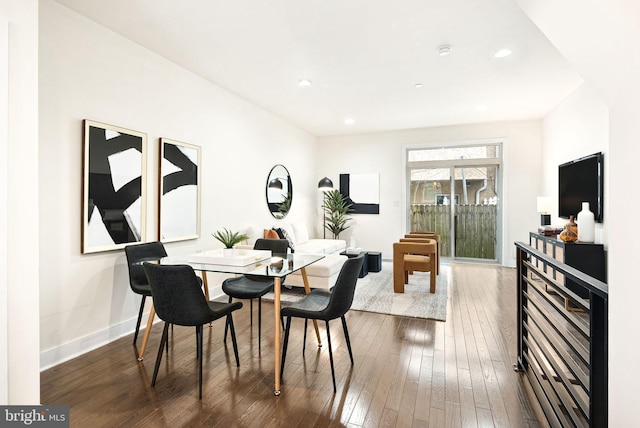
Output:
x=475 y=228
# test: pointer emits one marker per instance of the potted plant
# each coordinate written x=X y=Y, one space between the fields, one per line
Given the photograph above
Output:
x=229 y=239
x=336 y=207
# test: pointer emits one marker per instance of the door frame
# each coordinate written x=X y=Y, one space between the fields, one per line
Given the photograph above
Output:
x=457 y=163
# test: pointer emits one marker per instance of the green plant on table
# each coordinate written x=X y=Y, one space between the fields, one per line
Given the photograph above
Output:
x=229 y=238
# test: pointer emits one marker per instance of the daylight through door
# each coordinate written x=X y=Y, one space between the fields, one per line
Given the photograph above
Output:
x=455 y=191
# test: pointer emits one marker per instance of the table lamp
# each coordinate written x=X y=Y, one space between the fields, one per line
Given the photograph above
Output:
x=543 y=207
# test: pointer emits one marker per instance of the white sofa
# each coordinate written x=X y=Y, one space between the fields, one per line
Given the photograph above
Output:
x=323 y=273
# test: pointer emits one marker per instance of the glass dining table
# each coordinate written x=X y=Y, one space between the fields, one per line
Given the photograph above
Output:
x=273 y=267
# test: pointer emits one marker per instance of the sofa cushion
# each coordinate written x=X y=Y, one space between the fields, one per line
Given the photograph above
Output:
x=302 y=234
x=321 y=274
x=322 y=246
x=270 y=234
x=327 y=266
x=284 y=234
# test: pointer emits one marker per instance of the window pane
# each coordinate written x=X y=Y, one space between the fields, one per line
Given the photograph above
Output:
x=430 y=186
x=452 y=153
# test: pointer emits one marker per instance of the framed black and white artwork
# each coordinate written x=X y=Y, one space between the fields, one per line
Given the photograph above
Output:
x=113 y=187
x=363 y=191
x=179 y=201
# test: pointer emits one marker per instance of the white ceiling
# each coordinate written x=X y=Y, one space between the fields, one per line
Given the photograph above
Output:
x=364 y=57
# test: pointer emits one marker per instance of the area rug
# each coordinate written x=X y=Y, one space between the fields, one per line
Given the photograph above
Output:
x=374 y=293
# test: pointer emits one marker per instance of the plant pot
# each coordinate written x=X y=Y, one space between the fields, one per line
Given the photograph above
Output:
x=228 y=252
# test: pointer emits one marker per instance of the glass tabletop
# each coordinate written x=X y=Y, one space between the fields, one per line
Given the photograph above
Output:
x=276 y=267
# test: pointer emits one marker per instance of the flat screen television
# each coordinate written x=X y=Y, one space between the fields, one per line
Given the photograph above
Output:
x=581 y=180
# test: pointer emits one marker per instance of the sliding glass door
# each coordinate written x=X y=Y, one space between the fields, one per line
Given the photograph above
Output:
x=457 y=198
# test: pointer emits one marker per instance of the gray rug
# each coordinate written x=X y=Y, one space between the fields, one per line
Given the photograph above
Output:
x=374 y=293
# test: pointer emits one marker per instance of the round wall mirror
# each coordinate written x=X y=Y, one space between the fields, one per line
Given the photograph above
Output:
x=279 y=191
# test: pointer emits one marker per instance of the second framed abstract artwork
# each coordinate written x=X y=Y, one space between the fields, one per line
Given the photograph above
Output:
x=179 y=201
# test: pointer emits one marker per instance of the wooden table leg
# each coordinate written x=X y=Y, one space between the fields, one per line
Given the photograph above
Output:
x=276 y=325
x=307 y=290
x=147 y=331
x=205 y=285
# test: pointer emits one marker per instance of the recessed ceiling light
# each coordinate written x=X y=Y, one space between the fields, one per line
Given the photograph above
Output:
x=418 y=85
x=502 y=53
x=349 y=121
x=304 y=82
x=444 y=50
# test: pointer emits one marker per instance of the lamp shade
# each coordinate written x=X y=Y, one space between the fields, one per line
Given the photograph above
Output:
x=275 y=184
x=543 y=204
x=325 y=184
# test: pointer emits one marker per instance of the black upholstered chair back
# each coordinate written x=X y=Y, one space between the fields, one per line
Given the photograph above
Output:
x=138 y=253
x=177 y=296
x=278 y=247
x=345 y=288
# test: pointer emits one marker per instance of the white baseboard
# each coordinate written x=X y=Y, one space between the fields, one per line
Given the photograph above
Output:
x=54 y=356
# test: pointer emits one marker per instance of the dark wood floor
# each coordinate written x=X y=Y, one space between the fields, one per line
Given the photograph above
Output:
x=408 y=372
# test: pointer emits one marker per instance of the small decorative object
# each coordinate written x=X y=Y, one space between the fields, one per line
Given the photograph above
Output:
x=570 y=232
x=229 y=238
x=586 y=224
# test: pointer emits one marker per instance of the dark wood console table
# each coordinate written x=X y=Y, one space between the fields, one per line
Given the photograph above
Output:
x=587 y=257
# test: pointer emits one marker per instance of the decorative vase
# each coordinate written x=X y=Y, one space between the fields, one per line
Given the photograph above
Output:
x=570 y=232
x=573 y=225
x=586 y=224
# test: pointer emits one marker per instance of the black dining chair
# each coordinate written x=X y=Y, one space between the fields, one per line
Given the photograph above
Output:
x=137 y=278
x=254 y=287
x=326 y=305
x=179 y=300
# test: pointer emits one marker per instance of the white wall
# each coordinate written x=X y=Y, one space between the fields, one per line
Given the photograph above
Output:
x=577 y=127
x=19 y=377
x=600 y=40
x=383 y=152
x=89 y=72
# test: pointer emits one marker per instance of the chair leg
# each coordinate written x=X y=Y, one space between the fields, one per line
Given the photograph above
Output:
x=304 y=338
x=333 y=372
x=285 y=344
x=251 y=312
x=233 y=338
x=135 y=335
x=165 y=332
x=167 y=344
x=432 y=275
x=346 y=337
x=259 y=323
x=199 y=357
x=226 y=325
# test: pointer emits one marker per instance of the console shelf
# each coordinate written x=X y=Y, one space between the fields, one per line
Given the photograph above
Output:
x=584 y=256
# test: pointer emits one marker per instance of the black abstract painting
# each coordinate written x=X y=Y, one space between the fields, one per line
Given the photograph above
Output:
x=363 y=191
x=113 y=187
x=179 y=200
